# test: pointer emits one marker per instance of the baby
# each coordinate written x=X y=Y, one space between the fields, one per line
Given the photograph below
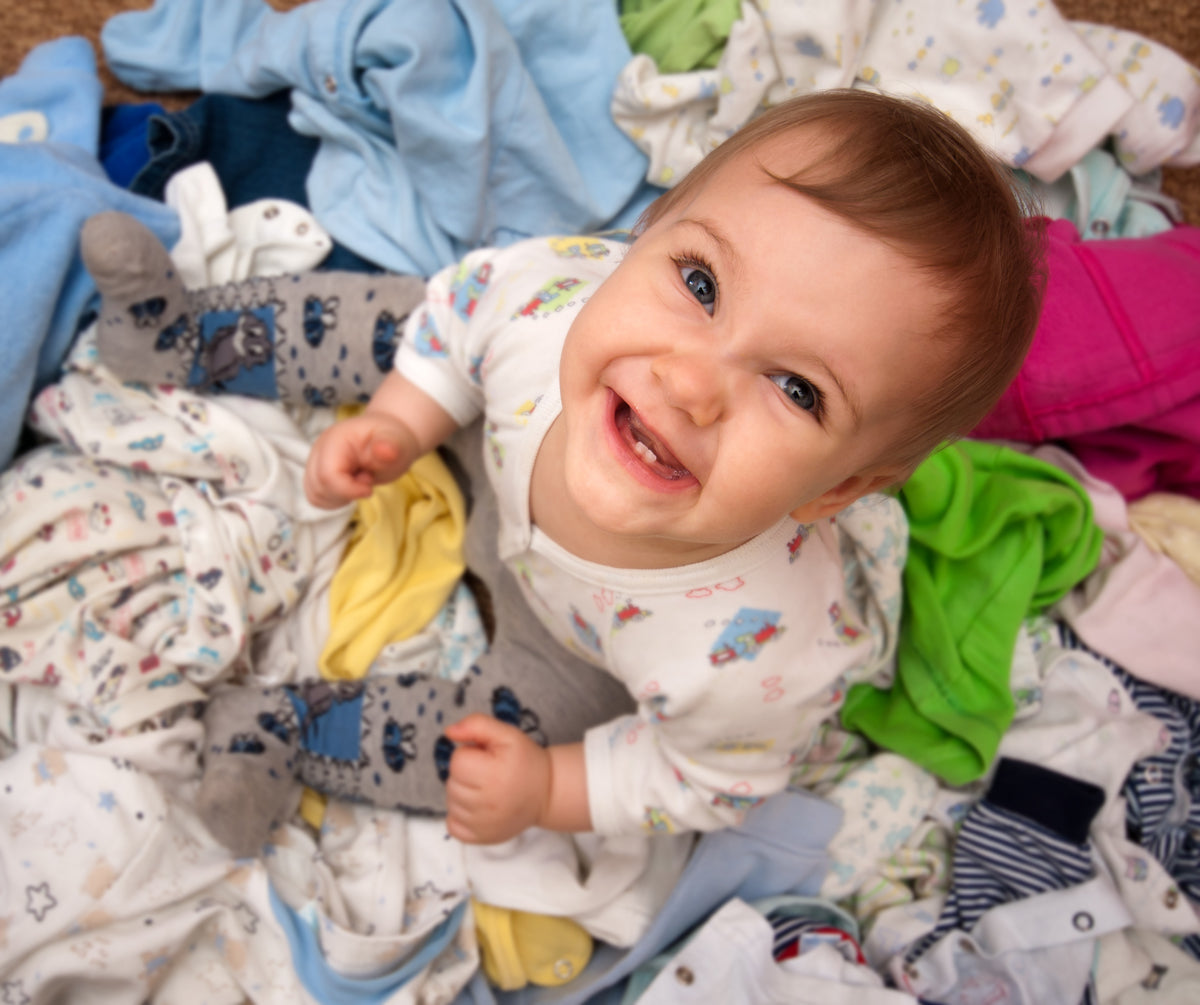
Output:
x=679 y=432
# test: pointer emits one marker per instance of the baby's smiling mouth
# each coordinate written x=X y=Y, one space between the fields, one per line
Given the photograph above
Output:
x=655 y=454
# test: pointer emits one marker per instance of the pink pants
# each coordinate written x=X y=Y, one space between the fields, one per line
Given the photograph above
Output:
x=1114 y=370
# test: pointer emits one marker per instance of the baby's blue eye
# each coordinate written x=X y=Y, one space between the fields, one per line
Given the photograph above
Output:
x=702 y=285
x=799 y=390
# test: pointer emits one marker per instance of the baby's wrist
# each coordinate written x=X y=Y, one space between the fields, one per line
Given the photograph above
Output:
x=565 y=807
x=544 y=792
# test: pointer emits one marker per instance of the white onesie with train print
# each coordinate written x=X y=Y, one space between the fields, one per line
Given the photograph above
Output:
x=733 y=661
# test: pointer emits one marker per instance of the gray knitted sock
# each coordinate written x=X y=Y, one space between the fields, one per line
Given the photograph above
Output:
x=378 y=740
x=324 y=338
x=249 y=783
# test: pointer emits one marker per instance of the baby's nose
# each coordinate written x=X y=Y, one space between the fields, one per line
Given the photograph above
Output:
x=694 y=383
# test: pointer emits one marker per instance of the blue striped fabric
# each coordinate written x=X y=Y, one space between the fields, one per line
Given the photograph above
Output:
x=999 y=857
x=794 y=935
x=1005 y=851
x=1162 y=791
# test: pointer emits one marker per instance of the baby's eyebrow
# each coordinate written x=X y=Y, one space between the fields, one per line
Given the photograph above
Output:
x=729 y=252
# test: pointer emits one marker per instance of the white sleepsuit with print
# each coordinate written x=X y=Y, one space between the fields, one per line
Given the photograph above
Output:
x=734 y=661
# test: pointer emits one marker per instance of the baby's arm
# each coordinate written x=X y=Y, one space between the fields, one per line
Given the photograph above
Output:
x=502 y=782
x=400 y=423
x=435 y=388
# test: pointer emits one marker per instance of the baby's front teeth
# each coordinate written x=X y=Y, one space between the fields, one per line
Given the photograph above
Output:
x=644 y=452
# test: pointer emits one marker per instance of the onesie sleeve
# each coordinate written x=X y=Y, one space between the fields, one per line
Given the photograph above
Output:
x=668 y=769
x=645 y=777
x=448 y=335
x=734 y=689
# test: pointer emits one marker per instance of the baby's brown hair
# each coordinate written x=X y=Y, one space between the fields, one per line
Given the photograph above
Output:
x=906 y=173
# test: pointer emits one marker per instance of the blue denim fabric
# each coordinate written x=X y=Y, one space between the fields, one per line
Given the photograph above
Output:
x=255 y=153
x=123 y=148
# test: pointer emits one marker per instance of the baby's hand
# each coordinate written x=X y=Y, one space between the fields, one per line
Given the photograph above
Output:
x=499 y=781
x=354 y=455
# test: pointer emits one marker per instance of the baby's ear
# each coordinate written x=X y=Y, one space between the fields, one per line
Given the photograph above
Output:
x=843 y=494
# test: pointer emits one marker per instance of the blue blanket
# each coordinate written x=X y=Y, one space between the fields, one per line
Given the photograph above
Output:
x=444 y=124
x=50 y=182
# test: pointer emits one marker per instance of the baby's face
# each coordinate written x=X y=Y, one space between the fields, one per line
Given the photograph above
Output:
x=752 y=356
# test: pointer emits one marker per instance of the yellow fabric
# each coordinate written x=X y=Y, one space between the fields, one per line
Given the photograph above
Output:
x=497 y=946
x=402 y=563
x=312 y=807
x=553 y=950
x=1170 y=524
x=519 y=948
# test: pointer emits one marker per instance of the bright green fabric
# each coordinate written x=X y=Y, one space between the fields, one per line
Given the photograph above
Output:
x=995 y=535
x=680 y=35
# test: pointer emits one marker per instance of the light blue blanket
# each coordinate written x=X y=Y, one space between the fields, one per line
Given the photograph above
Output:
x=50 y=182
x=444 y=124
